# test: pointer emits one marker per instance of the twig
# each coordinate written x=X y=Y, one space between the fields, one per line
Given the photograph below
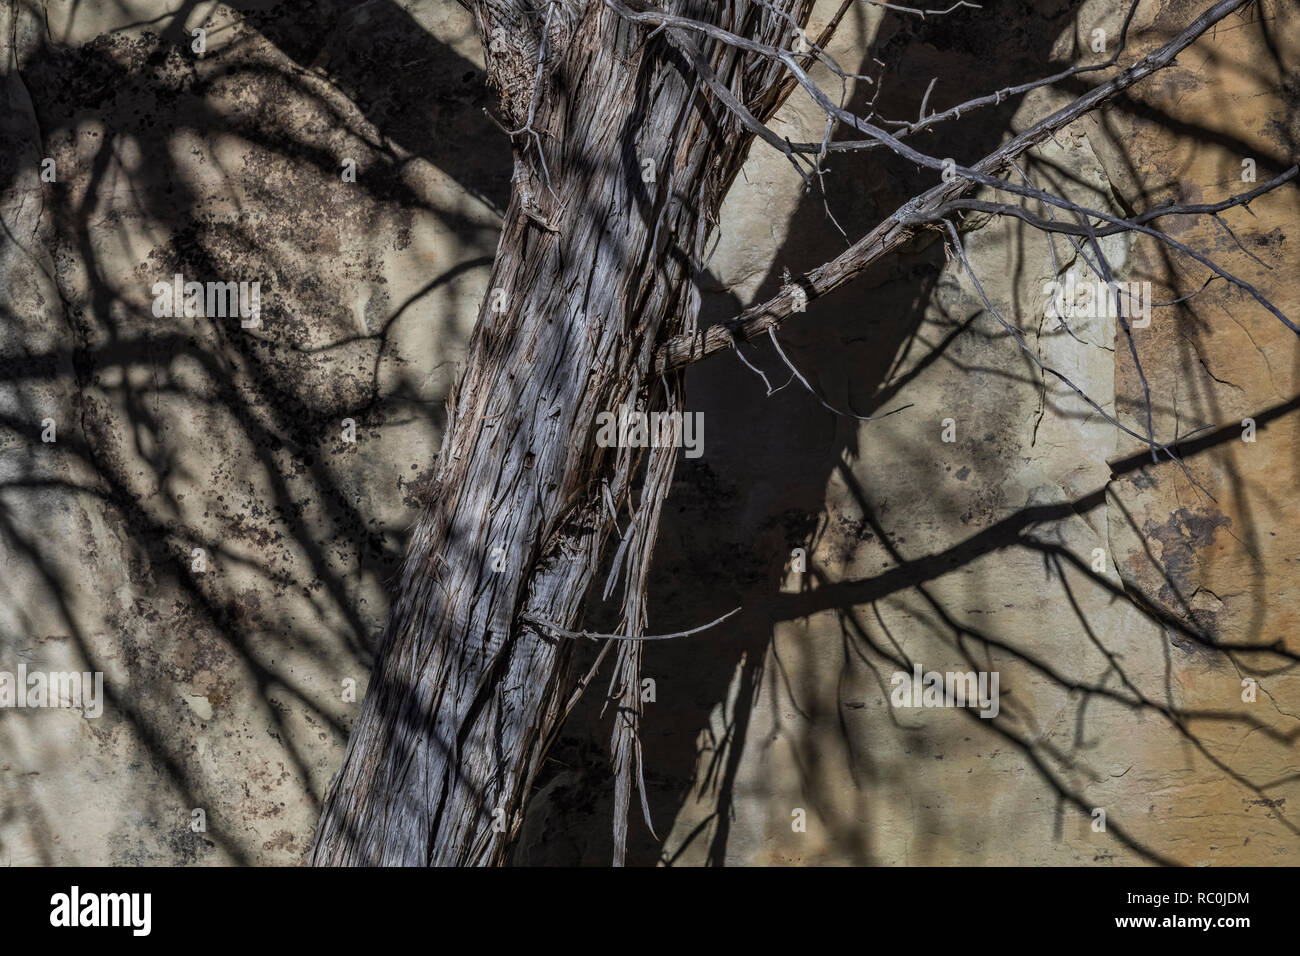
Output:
x=799 y=375
x=593 y=636
x=923 y=13
x=901 y=226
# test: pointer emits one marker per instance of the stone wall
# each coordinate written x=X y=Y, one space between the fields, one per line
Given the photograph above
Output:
x=231 y=682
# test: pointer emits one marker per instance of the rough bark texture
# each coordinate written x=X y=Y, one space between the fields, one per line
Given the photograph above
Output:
x=594 y=268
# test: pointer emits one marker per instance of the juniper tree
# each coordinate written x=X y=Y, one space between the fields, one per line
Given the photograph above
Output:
x=629 y=122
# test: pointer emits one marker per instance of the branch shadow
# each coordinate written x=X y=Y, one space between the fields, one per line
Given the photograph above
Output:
x=193 y=432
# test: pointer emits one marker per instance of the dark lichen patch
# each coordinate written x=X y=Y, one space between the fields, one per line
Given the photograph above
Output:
x=417 y=491
x=1180 y=539
x=282 y=841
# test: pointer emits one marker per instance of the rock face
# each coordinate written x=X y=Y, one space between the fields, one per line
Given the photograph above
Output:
x=206 y=533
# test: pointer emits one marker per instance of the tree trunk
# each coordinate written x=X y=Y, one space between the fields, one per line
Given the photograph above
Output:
x=594 y=269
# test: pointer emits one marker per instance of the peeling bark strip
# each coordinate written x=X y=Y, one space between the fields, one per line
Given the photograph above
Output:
x=595 y=263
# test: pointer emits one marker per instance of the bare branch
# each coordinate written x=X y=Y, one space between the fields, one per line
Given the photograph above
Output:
x=1120 y=225
x=1019 y=337
x=904 y=222
x=999 y=96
